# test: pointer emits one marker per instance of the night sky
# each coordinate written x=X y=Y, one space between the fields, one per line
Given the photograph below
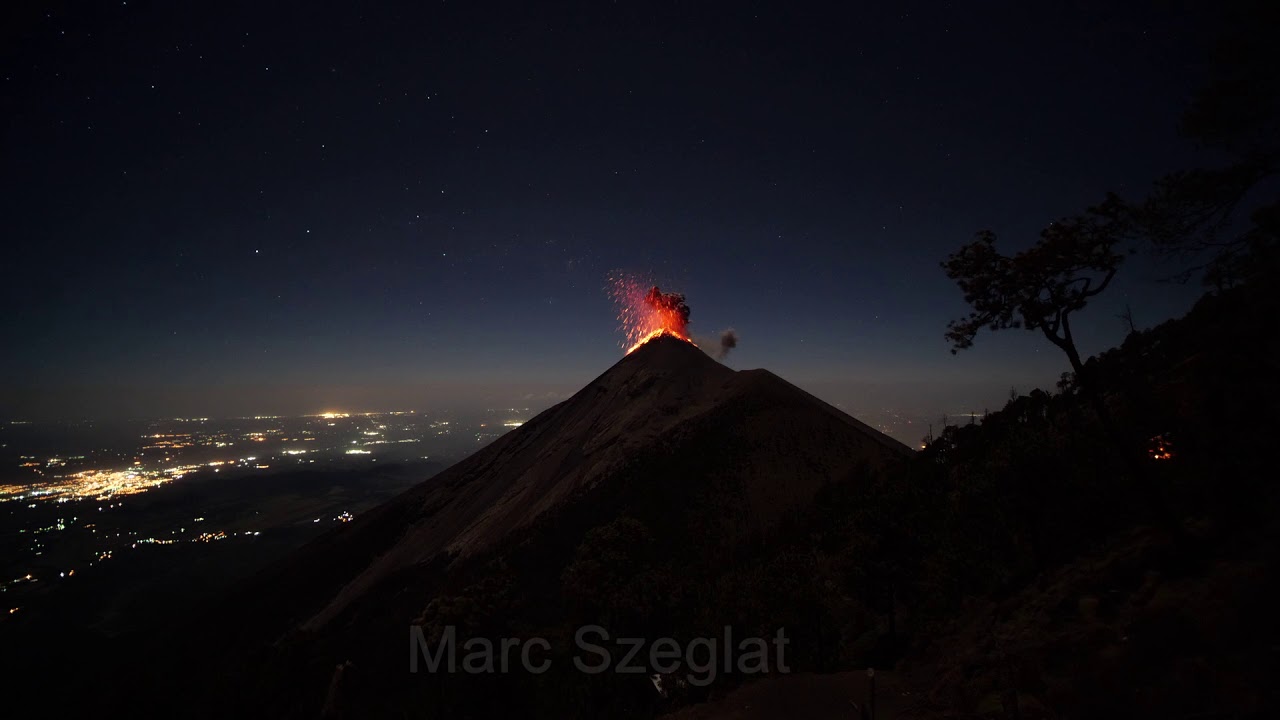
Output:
x=239 y=208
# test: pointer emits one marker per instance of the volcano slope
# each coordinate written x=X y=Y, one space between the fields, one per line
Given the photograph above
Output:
x=620 y=506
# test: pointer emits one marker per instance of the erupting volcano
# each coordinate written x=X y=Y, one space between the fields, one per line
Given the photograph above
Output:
x=645 y=312
x=668 y=439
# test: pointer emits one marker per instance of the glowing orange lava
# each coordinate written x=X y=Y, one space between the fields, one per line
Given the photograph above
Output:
x=645 y=312
x=657 y=333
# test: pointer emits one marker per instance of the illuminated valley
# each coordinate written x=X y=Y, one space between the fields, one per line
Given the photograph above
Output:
x=171 y=495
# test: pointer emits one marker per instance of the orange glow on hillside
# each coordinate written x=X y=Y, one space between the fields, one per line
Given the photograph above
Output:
x=658 y=333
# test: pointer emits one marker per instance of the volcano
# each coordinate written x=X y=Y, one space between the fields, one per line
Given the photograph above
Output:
x=707 y=459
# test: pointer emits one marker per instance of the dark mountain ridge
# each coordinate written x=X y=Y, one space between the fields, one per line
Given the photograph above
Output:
x=702 y=455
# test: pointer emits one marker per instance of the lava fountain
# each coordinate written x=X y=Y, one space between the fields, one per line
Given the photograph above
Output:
x=645 y=312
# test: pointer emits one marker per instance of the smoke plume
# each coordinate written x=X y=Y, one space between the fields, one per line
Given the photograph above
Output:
x=671 y=307
x=728 y=341
x=718 y=347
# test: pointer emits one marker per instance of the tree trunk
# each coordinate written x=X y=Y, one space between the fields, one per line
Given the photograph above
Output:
x=1093 y=391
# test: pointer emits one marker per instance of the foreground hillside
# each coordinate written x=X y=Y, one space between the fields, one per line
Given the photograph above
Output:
x=1047 y=564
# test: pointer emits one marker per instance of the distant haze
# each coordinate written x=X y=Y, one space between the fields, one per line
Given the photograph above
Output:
x=922 y=400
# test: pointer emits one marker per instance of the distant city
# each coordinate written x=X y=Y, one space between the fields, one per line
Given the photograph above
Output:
x=169 y=449
x=79 y=495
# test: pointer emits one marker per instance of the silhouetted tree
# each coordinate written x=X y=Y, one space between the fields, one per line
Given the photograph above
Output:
x=1039 y=288
x=1127 y=316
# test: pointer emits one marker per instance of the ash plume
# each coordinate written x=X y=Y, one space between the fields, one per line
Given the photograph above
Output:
x=719 y=348
x=728 y=341
x=669 y=305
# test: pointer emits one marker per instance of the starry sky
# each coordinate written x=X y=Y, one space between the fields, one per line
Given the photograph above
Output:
x=239 y=208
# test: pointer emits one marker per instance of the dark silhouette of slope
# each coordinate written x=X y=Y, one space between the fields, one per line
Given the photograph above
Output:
x=1046 y=586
